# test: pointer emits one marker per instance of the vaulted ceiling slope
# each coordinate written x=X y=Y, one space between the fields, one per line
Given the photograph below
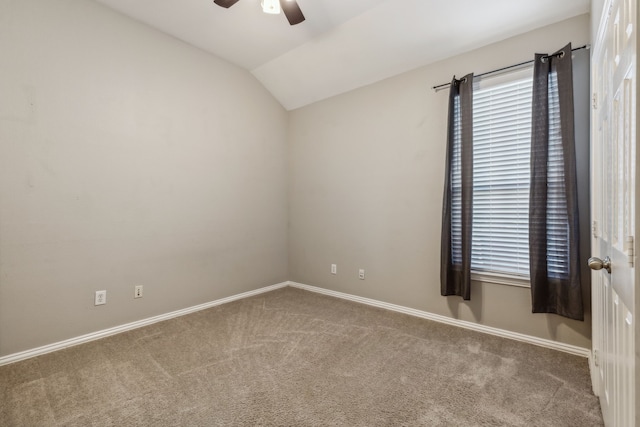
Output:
x=343 y=44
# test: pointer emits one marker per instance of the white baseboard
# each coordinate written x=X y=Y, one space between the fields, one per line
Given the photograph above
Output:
x=16 y=357
x=554 y=345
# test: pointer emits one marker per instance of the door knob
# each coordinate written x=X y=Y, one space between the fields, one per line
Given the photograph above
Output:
x=596 y=263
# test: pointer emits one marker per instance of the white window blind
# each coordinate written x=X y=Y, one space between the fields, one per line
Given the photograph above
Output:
x=501 y=175
x=557 y=218
x=456 y=188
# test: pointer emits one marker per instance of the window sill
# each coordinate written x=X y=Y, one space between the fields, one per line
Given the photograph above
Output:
x=500 y=279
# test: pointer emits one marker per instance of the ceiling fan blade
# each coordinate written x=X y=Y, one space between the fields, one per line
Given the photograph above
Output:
x=225 y=3
x=292 y=11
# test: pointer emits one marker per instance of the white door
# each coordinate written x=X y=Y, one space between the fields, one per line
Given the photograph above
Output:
x=613 y=211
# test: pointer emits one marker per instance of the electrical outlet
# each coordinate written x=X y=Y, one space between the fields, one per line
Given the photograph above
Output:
x=334 y=269
x=101 y=298
x=138 y=292
x=361 y=274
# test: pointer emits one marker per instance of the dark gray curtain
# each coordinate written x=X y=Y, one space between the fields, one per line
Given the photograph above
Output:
x=553 y=199
x=457 y=213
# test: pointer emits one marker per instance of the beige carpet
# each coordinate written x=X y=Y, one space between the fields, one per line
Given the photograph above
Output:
x=295 y=358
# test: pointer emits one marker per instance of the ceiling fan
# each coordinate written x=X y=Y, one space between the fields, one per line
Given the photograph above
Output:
x=289 y=7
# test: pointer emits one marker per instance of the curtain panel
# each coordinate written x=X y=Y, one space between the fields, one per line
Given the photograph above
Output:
x=457 y=211
x=553 y=198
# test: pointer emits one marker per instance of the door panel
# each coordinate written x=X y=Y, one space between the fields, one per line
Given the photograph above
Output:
x=613 y=160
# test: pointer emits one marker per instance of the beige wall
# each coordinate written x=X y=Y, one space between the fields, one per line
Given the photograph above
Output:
x=365 y=191
x=127 y=158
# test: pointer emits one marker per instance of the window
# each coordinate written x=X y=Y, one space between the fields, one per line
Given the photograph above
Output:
x=501 y=177
x=501 y=174
x=516 y=178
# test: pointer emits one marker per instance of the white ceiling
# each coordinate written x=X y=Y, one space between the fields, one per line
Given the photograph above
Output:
x=343 y=44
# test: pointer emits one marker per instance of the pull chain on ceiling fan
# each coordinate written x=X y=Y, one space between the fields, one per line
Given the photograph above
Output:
x=289 y=7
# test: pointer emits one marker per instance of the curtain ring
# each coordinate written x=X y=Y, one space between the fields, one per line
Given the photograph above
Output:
x=560 y=55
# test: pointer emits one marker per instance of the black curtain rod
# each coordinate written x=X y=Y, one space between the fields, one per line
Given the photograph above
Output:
x=586 y=46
